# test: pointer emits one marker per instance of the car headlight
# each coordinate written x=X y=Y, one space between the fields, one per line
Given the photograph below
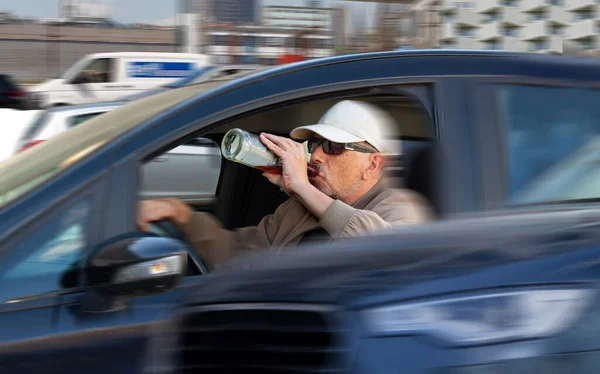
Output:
x=482 y=319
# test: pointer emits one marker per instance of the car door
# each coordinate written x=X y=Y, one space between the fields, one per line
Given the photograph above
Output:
x=96 y=82
x=45 y=326
x=36 y=270
x=112 y=340
x=199 y=160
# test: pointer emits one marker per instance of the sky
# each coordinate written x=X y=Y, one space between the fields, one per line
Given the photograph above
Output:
x=131 y=11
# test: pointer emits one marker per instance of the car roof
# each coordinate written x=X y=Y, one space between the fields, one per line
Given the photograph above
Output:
x=500 y=58
x=426 y=53
x=506 y=59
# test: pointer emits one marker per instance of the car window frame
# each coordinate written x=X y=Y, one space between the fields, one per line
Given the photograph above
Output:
x=201 y=142
x=495 y=153
x=199 y=127
x=448 y=117
x=110 y=67
x=233 y=114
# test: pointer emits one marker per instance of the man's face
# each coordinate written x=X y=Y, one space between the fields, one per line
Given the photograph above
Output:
x=339 y=175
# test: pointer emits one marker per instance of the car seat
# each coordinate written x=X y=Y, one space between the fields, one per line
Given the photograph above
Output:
x=245 y=196
x=421 y=174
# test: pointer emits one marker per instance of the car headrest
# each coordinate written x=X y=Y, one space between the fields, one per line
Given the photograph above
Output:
x=421 y=173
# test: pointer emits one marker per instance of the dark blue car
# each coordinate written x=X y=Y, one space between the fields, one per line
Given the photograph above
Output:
x=502 y=144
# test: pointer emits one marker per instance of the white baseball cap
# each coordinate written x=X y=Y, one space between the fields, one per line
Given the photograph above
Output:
x=352 y=121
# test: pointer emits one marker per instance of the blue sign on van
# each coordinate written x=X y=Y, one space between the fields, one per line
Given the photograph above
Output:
x=142 y=69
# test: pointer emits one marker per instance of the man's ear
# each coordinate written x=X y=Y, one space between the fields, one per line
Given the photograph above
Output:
x=377 y=162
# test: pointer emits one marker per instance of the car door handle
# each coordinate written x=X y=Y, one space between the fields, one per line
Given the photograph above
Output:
x=160 y=159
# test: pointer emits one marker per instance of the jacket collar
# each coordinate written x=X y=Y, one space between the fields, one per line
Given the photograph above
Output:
x=370 y=195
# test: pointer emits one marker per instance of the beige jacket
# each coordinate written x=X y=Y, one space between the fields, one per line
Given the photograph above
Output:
x=379 y=208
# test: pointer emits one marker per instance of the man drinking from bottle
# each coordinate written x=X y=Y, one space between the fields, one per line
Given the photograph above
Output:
x=344 y=195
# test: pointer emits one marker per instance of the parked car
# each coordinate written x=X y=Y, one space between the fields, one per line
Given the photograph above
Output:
x=99 y=77
x=186 y=159
x=196 y=154
x=490 y=285
x=49 y=122
x=11 y=94
x=202 y=74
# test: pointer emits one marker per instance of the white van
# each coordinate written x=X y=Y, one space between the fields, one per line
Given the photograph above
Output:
x=107 y=76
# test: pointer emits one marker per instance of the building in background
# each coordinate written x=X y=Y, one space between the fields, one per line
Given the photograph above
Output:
x=230 y=12
x=542 y=26
x=502 y=25
x=394 y=26
x=460 y=25
x=275 y=33
x=98 y=9
x=264 y=45
x=295 y=17
x=341 y=26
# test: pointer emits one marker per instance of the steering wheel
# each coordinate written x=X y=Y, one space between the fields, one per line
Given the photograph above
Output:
x=168 y=229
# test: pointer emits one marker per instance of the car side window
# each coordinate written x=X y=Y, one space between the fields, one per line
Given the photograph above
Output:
x=189 y=172
x=552 y=137
x=98 y=70
x=76 y=120
x=39 y=263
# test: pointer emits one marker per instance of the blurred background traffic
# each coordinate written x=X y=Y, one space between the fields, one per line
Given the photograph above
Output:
x=40 y=39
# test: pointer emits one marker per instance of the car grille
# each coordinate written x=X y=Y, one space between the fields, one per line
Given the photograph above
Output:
x=259 y=339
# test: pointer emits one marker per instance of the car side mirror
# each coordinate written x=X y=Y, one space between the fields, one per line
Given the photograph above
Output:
x=132 y=265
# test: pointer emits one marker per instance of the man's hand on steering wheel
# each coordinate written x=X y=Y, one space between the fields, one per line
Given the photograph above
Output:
x=165 y=217
x=162 y=209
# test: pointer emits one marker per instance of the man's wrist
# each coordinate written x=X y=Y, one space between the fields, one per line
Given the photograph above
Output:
x=184 y=212
x=300 y=188
x=314 y=200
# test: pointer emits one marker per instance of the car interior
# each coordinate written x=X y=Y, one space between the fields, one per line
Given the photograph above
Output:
x=244 y=196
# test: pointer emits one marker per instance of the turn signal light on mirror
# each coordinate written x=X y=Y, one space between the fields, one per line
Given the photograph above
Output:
x=145 y=270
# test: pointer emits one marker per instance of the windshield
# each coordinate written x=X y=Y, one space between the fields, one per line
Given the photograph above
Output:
x=190 y=78
x=74 y=69
x=33 y=126
x=27 y=170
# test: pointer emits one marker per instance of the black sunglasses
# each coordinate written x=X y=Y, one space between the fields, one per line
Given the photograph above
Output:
x=333 y=148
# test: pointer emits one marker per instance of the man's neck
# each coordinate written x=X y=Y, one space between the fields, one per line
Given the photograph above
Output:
x=359 y=193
